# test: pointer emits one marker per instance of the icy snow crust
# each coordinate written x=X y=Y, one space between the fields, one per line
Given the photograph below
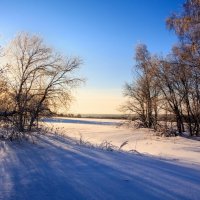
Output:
x=57 y=168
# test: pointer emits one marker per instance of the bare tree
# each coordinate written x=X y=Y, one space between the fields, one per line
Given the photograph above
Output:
x=143 y=94
x=38 y=78
x=167 y=76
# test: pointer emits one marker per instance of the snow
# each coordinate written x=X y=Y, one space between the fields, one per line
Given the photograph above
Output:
x=142 y=140
x=55 y=167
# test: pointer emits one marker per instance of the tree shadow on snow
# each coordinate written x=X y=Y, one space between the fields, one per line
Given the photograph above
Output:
x=77 y=121
x=55 y=168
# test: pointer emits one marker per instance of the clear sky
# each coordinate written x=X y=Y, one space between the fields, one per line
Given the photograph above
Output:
x=103 y=33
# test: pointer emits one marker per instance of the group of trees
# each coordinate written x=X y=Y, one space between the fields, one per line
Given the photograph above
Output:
x=34 y=80
x=170 y=84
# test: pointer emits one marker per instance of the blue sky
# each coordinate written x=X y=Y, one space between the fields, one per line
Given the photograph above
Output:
x=103 y=33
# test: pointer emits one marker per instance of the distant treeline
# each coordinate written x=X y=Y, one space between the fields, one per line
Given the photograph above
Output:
x=133 y=117
x=98 y=116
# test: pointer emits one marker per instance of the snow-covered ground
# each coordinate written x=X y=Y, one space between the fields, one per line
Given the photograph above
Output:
x=57 y=168
x=142 y=140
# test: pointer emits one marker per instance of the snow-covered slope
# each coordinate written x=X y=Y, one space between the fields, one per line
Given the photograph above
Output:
x=56 y=168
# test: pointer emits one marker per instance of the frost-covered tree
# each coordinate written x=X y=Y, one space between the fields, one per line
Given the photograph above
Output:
x=37 y=77
x=143 y=92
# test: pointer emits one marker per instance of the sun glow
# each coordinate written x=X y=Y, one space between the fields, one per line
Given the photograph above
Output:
x=94 y=101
